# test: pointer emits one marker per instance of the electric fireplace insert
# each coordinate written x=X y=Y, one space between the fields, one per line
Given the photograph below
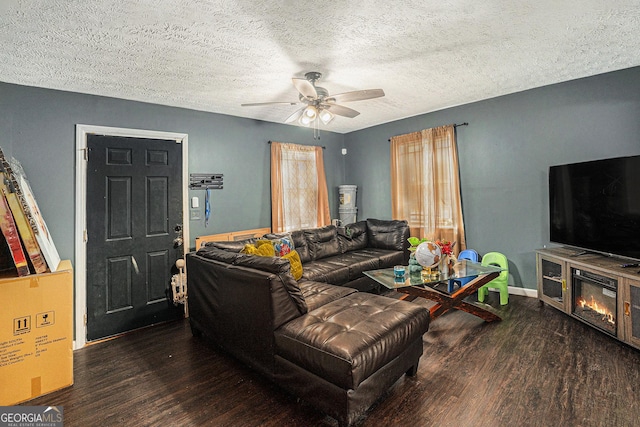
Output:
x=594 y=299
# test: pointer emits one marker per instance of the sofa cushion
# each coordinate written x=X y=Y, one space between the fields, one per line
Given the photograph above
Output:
x=387 y=234
x=317 y=294
x=328 y=270
x=347 y=340
x=353 y=236
x=359 y=262
x=233 y=246
x=270 y=264
x=212 y=252
x=323 y=242
x=386 y=257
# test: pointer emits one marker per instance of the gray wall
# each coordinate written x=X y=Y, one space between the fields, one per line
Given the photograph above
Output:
x=37 y=126
x=505 y=153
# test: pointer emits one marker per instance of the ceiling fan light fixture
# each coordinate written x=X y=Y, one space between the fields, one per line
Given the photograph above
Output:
x=317 y=102
x=311 y=112
x=326 y=116
x=305 y=120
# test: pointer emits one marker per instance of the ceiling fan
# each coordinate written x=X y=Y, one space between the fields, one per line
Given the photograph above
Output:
x=318 y=104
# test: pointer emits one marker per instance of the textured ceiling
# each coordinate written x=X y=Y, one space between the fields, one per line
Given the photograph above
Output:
x=215 y=55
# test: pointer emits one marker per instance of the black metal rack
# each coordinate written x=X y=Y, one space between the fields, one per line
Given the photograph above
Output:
x=204 y=181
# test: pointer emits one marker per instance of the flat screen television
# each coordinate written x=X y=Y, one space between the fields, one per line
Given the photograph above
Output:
x=595 y=206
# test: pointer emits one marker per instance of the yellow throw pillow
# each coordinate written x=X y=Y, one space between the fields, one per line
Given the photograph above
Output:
x=296 y=264
x=266 y=250
x=261 y=250
x=249 y=249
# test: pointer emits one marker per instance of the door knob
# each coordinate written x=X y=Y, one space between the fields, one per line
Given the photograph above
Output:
x=177 y=242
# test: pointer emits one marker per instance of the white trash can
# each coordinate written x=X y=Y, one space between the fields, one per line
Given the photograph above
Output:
x=347 y=196
x=348 y=215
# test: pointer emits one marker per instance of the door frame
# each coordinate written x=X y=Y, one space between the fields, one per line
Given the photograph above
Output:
x=82 y=132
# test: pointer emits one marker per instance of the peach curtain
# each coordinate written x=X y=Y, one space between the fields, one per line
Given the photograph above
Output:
x=299 y=196
x=425 y=184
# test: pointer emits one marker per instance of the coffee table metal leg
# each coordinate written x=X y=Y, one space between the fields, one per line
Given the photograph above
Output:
x=447 y=302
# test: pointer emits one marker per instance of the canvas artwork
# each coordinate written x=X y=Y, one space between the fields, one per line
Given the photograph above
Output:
x=10 y=232
x=26 y=225
x=42 y=236
x=24 y=236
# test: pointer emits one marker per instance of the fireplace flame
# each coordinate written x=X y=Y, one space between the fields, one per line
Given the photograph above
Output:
x=607 y=316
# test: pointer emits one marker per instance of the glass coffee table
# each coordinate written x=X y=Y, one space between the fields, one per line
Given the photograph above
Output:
x=434 y=287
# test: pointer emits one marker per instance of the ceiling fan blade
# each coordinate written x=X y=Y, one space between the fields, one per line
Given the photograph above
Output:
x=295 y=116
x=356 y=95
x=341 y=110
x=305 y=88
x=257 y=104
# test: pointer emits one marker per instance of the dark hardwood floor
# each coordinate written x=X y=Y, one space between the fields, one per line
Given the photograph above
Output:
x=537 y=367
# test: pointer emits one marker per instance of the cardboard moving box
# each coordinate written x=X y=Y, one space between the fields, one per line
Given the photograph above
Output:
x=36 y=334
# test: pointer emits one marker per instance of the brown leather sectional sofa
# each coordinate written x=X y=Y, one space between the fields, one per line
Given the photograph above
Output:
x=334 y=347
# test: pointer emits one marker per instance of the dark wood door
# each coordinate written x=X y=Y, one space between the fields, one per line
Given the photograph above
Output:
x=134 y=213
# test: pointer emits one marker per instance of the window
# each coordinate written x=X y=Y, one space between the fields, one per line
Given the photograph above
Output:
x=299 y=197
x=425 y=187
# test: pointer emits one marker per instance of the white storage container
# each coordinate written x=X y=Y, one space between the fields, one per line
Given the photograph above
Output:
x=347 y=196
x=348 y=215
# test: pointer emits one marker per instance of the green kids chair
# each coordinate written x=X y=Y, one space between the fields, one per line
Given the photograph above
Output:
x=501 y=282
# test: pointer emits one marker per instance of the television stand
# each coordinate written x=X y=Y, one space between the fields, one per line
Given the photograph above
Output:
x=563 y=281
